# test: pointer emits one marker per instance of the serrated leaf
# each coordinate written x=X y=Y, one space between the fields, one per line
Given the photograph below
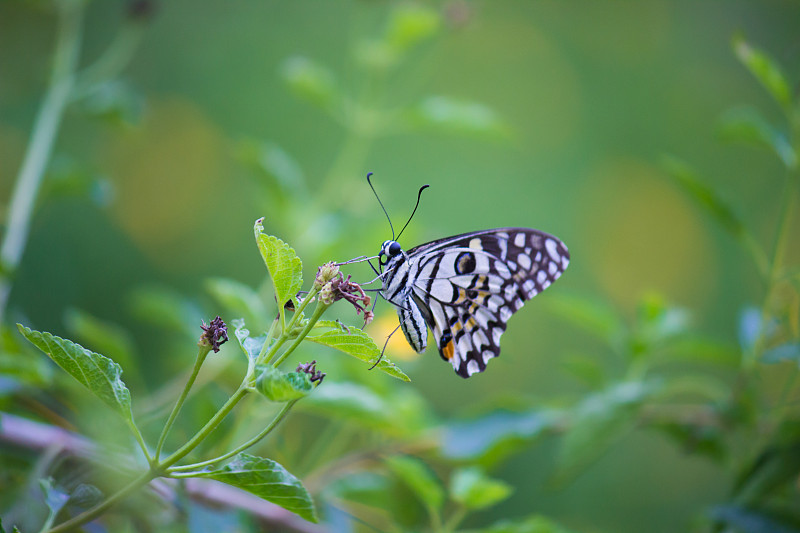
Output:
x=239 y=299
x=748 y=126
x=356 y=343
x=765 y=69
x=280 y=386
x=108 y=338
x=251 y=346
x=473 y=489
x=96 y=372
x=419 y=478
x=268 y=480
x=285 y=268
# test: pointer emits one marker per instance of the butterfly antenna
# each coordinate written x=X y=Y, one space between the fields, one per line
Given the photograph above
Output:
x=379 y=201
x=419 y=195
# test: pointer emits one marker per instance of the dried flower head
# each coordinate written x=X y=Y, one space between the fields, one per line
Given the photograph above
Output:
x=340 y=288
x=214 y=334
x=311 y=370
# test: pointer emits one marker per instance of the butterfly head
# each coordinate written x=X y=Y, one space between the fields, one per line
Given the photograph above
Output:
x=389 y=250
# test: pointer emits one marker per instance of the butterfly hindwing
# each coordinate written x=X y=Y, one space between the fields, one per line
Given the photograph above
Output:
x=468 y=286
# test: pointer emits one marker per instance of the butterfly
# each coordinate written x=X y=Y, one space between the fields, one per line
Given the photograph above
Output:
x=466 y=287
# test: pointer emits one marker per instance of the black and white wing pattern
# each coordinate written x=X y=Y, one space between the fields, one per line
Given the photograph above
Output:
x=466 y=287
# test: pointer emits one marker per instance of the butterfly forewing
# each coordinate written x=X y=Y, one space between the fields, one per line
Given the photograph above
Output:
x=468 y=286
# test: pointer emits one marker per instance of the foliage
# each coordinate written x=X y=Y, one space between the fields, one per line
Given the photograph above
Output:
x=370 y=446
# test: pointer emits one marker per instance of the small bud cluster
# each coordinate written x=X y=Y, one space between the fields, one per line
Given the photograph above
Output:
x=325 y=274
x=339 y=288
x=311 y=370
x=214 y=334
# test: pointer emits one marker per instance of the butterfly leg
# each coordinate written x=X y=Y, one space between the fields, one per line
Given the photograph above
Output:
x=385 y=344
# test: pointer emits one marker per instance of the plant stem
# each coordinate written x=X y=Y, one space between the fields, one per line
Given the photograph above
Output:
x=37 y=155
x=99 y=509
x=284 y=336
x=275 y=421
x=210 y=426
x=318 y=311
x=201 y=357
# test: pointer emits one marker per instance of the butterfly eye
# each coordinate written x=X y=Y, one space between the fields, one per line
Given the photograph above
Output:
x=394 y=249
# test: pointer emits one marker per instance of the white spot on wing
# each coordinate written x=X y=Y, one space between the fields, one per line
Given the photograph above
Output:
x=496 y=332
x=552 y=249
x=502 y=269
x=505 y=313
x=519 y=240
x=552 y=268
x=541 y=277
x=524 y=261
x=472 y=367
x=529 y=287
x=488 y=354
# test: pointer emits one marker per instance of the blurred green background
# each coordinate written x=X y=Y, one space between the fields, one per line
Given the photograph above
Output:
x=548 y=115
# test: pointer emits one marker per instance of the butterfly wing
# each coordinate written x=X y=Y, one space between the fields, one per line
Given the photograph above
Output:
x=469 y=285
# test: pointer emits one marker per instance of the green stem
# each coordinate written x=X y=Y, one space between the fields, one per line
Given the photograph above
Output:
x=140 y=439
x=318 y=311
x=210 y=426
x=110 y=64
x=275 y=421
x=284 y=336
x=201 y=357
x=455 y=519
x=40 y=147
x=101 y=508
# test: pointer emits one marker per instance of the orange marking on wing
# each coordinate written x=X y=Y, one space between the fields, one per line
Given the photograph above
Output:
x=449 y=349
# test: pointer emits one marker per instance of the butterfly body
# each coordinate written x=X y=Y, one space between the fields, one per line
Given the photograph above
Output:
x=466 y=287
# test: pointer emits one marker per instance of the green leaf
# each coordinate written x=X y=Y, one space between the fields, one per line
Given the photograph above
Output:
x=774 y=469
x=113 y=101
x=419 y=478
x=310 y=81
x=251 y=346
x=267 y=480
x=493 y=437
x=166 y=308
x=108 y=338
x=593 y=316
x=473 y=489
x=784 y=352
x=282 y=387
x=96 y=372
x=532 y=524
x=85 y=496
x=688 y=179
x=599 y=421
x=275 y=167
x=54 y=498
x=743 y=519
x=356 y=343
x=765 y=69
x=238 y=299
x=285 y=268
x=657 y=324
x=410 y=24
x=452 y=116
x=748 y=126
x=401 y=413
